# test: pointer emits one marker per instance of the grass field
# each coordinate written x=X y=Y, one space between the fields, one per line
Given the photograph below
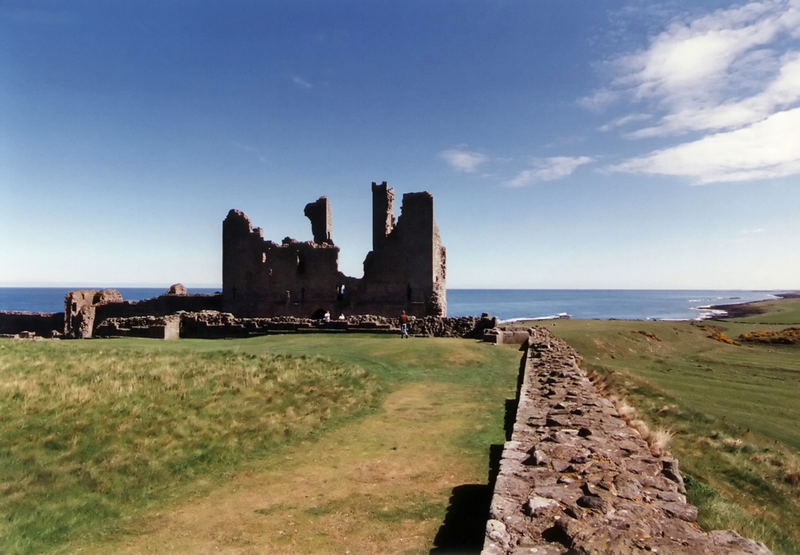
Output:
x=318 y=443
x=272 y=444
x=734 y=410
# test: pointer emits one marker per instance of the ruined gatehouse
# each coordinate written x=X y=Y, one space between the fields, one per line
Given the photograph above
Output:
x=405 y=270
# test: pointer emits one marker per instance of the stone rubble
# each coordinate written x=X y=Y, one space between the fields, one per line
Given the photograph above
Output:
x=576 y=478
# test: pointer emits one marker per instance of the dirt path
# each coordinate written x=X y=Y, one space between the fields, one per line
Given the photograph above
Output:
x=380 y=484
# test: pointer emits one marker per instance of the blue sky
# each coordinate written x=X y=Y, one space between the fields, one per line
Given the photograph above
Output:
x=567 y=144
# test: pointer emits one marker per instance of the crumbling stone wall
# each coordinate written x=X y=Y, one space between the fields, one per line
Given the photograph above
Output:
x=319 y=212
x=406 y=269
x=575 y=478
x=43 y=324
x=85 y=309
x=80 y=310
x=157 y=327
x=262 y=278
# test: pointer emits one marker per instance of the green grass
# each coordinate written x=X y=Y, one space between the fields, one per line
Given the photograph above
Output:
x=734 y=410
x=97 y=432
x=782 y=311
x=91 y=432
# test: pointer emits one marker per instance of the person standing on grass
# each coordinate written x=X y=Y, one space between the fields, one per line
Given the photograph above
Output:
x=403 y=325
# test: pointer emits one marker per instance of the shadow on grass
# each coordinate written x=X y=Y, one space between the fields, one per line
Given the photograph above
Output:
x=464 y=525
x=465 y=522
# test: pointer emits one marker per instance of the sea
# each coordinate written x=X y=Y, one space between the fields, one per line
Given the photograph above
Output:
x=505 y=304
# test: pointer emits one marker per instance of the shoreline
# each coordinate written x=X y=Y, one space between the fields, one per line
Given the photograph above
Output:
x=743 y=310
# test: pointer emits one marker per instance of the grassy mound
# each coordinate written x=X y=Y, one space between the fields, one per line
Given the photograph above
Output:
x=89 y=434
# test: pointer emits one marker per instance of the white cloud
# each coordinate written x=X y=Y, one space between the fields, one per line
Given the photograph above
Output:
x=693 y=62
x=300 y=82
x=463 y=160
x=766 y=149
x=731 y=78
x=548 y=169
x=781 y=92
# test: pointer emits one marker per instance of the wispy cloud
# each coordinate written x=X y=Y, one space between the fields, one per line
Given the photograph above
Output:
x=548 y=169
x=623 y=121
x=696 y=61
x=781 y=92
x=300 y=82
x=250 y=150
x=767 y=149
x=599 y=100
x=463 y=160
x=732 y=75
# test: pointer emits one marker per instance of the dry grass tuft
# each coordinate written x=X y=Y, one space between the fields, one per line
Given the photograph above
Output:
x=647 y=334
x=732 y=443
x=641 y=427
x=659 y=441
x=626 y=411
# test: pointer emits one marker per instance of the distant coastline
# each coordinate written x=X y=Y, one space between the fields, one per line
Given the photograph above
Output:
x=750 y=308
x=505 y=304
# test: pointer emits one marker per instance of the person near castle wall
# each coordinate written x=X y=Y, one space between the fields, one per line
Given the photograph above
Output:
x=403 y=325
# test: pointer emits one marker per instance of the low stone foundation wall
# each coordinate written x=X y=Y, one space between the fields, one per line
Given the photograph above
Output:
x=43 y=324
x=507 y=335
x=211 y=324
x=576 y=478
x=87 y=309
x=157 y=327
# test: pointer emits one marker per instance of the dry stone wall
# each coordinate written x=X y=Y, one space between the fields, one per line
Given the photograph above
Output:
x=575 y=478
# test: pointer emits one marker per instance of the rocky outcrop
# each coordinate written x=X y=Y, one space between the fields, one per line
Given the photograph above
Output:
x=575 y=478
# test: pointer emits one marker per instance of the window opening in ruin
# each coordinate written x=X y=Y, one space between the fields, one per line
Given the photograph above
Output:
x=340 y=292
x=301 y=263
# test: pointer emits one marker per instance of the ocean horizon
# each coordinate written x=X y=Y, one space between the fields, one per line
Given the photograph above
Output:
x=505 y=304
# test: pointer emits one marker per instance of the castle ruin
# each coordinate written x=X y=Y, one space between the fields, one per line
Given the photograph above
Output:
x=405 y=270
